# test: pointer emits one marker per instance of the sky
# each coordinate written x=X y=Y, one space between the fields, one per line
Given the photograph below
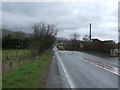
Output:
x=69 y=17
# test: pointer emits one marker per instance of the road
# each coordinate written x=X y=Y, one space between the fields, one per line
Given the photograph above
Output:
x=81 y=70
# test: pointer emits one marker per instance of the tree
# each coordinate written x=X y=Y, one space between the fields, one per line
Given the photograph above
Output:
x=74 y=41
x=74 y=36
x=86 y=38
x=10 y=42
x=44 y=36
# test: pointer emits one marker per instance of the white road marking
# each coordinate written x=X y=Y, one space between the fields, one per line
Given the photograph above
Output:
x=99 y=66
x=68 y=77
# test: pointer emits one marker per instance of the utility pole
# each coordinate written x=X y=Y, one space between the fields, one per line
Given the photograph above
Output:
x=90 y=32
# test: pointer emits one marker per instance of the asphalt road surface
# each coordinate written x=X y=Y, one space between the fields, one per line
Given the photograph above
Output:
x=82 y=70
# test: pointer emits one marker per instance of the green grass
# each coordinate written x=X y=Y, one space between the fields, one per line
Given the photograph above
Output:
x=31 y=75
x=14 y=55
x=96 y=53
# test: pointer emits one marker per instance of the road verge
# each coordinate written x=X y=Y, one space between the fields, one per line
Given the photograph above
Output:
x=32 y=75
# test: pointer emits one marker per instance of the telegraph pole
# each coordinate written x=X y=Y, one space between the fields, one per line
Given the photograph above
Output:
x=90 y=32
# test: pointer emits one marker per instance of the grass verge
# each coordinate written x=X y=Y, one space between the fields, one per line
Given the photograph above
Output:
x=32 y=75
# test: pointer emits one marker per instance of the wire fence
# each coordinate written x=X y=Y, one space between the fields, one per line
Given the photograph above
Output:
x=14 y=58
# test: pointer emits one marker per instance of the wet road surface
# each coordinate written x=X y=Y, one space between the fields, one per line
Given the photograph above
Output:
x=79 y=73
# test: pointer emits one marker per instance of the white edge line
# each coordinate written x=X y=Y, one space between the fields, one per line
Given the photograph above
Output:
x=68 y=78
x=98 y=66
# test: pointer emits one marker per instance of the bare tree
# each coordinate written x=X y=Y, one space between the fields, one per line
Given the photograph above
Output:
x=74 y=36
x=74 y=41
x=86 y=38
x=44 y=36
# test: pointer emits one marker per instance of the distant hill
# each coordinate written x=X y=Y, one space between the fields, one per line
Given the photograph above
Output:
x=7 y=32
x=61 y=39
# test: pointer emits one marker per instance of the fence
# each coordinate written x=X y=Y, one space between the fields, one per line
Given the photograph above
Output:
x=14 y=58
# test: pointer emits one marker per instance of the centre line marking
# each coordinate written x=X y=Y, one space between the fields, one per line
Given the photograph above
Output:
x=101 y=65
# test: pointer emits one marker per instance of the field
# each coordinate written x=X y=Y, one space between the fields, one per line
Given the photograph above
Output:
x=14 y=58
x=32 y=75
x=13 y=55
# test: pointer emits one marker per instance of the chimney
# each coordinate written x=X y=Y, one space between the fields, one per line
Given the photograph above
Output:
x=90 y=32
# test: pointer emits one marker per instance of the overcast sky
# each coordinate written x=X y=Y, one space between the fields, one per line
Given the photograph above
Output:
x=68 y=16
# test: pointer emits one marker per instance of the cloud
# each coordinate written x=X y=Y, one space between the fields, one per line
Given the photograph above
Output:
x=69 y=17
